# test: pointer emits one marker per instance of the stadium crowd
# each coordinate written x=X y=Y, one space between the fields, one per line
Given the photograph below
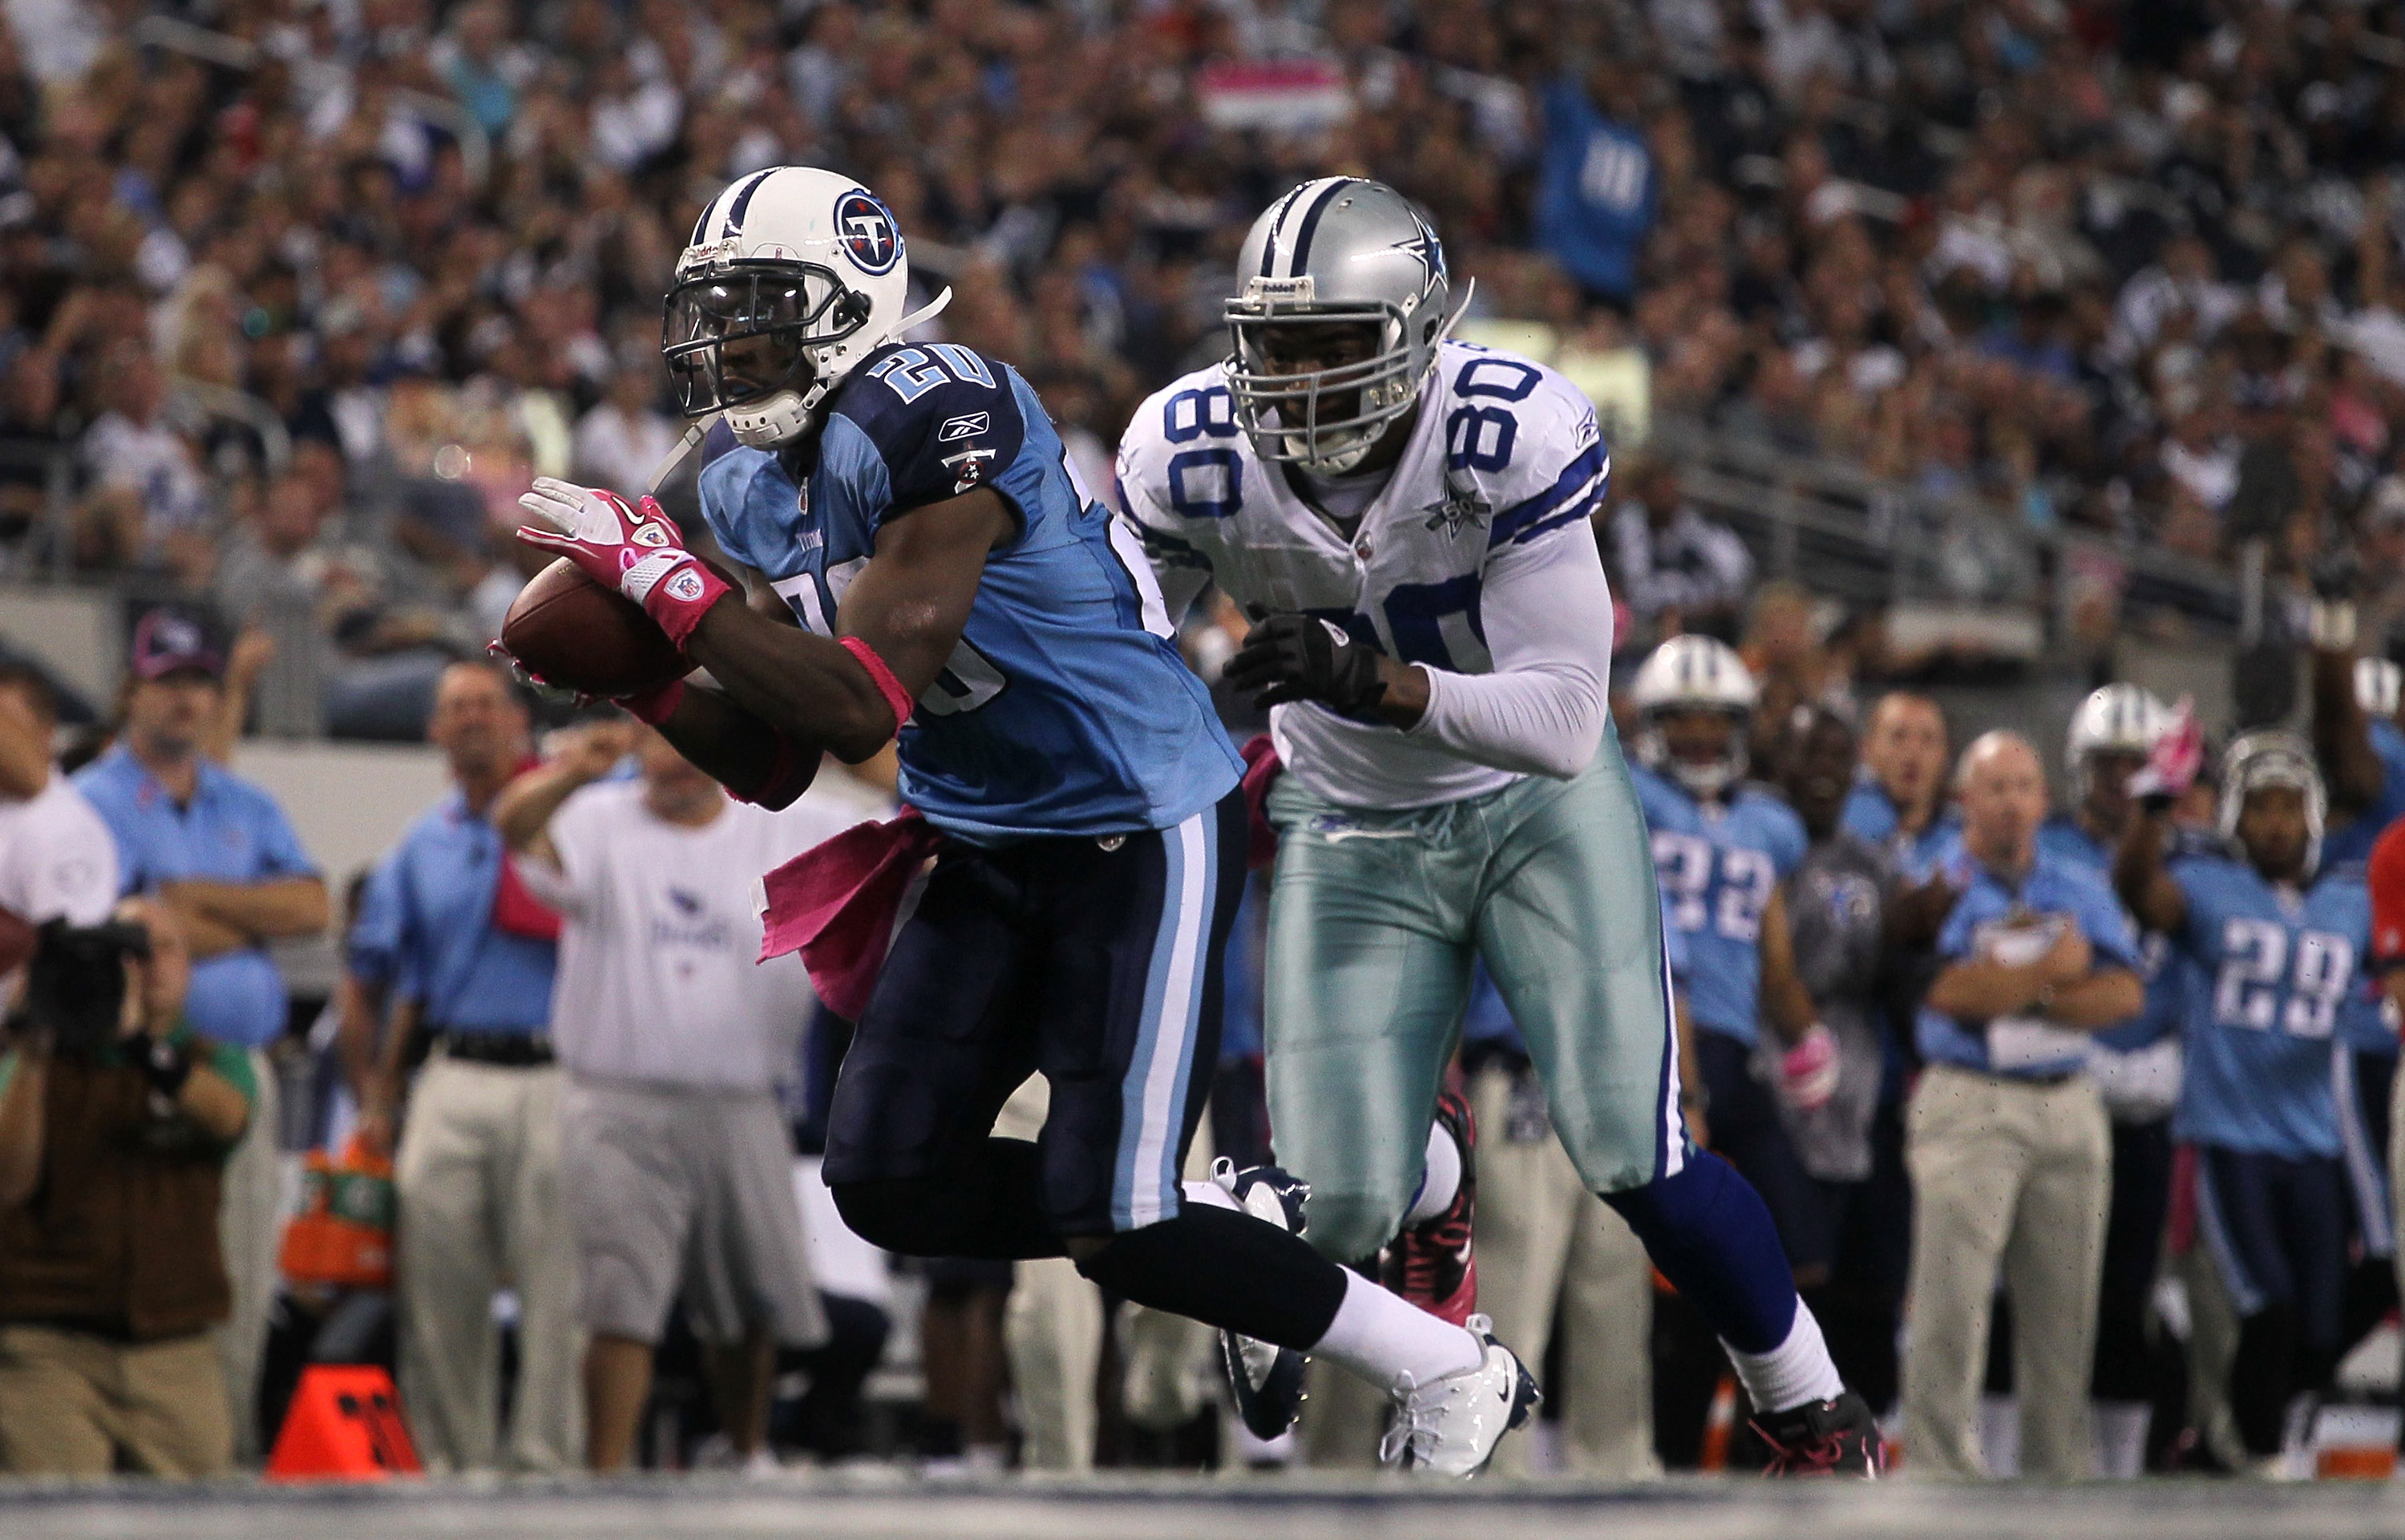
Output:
x=309 y=293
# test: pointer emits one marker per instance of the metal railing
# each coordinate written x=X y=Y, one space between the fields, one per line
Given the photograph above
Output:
x=1849 y=535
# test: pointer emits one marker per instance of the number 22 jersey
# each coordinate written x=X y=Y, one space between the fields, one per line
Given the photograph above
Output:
x=2277 y=972
x=1504 y=457
x=1066 y=709
x=1717 y=867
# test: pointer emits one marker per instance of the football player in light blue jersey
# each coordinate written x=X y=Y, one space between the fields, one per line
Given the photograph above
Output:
x=1721 y=850
x=2279 y=943
x=2135 y=1067
x=923 y=563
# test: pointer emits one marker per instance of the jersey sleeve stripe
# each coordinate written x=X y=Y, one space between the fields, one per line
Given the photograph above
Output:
x=1582 y=509
x=1583 y=478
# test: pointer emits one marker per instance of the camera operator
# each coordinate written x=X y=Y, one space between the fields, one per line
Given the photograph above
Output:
x=115 y=1124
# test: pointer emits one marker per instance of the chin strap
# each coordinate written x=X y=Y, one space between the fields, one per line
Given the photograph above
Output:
x=685 y=446
x=925 y=313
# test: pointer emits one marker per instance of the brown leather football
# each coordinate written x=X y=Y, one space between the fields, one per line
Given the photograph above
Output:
x=570 y=631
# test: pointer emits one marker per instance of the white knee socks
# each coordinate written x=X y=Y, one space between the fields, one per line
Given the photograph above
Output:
x=1797 y=1371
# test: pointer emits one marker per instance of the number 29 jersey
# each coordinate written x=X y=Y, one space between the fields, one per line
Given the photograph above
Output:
x=1717 y=867
x=1066 y=709
x=1504 y=455
x=2275 y=975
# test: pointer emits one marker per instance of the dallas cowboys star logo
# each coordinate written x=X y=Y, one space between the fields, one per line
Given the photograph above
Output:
x=1461 y=509
x=1425 y=250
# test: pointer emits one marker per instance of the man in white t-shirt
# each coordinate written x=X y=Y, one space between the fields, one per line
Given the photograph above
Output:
x=675 y=1156
x=57 y=860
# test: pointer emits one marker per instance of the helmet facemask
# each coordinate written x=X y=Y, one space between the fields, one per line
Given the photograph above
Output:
x=751 y=340
x=1326 y=420
x=1704 y=779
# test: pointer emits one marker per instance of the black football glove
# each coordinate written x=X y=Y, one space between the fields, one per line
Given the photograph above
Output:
x=1289 y=658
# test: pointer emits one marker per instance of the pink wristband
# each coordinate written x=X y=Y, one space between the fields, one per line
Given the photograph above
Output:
x=653 y=706
x=887 y=685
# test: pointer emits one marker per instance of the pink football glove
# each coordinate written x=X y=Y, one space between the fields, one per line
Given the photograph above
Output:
x=1808 y=1073
x=638 y=552
x=2176 y=757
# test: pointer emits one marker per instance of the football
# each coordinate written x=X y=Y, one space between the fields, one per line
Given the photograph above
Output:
x=570 y=631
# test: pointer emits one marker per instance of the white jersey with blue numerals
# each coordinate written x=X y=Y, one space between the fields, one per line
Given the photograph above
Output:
x=1066 y=709
x=2275 y=971
x=1718 y=863
x=1505 y=454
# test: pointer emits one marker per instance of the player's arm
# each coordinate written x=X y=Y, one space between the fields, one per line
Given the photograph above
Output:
x=909 y=605
x=1546 y=609
x=2143 y=882
x=2342 y=734
x=24 y=750
x=1785 y=1001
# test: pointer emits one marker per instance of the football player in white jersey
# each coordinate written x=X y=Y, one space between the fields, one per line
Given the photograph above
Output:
x=1406 y=520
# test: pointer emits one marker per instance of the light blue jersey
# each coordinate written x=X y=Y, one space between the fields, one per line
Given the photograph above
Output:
x=1718 y=866
x=2062 y=837
x=2055 y=892
x=1870 y=816
x=1066 y=709
x=2352 y=839
x=2275 y=972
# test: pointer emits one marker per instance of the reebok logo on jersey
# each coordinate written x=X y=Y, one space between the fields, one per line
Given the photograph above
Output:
x=965 y=426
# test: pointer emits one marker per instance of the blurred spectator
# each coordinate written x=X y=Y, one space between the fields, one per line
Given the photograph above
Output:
x=217 y=853
x=451 y=960
x=678 y=1163
x=112 y=1137
x=1899 y=804
x=622 y=441
x=1596 y=191
x=56 y=857
x=2007 y=1141
x=149 y=499
x=1678 y=570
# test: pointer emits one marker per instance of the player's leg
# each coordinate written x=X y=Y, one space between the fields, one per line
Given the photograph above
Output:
x=2237 y=1210
x=946 y=1037
x=2315 y=1231
x=1130 y=1029
x=1571 y=930
x=2122 y=1378
x=1368 y=968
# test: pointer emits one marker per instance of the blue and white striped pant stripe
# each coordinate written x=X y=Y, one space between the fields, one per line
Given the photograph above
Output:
x=1153 y=1098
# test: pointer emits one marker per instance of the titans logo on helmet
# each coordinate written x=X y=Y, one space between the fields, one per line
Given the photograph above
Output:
x=867 y=231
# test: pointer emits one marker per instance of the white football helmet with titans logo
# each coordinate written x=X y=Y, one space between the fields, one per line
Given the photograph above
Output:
x=1694 y=673
x=794 y=275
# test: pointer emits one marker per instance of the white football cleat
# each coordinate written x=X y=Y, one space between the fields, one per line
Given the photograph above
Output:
x=1449 y=1427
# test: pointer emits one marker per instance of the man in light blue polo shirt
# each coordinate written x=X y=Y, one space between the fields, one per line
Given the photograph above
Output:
x=220 y=853
x=2008 y=1145
x=1898 y=805
x=450 y=954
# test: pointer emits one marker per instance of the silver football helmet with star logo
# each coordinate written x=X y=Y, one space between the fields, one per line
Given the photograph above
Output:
x=1336 y=252
x=792 y=276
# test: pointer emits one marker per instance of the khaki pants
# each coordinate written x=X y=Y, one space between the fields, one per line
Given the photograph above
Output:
x=251 y=1231
x=71 y=1402
x=1052 y=1329
x=478 y=1184
x=2018 y=1175
x=1544 y=1242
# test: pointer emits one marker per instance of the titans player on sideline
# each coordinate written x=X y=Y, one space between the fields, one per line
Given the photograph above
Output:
x=1406 y=518
x=914 y=508
x=2279 y=942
